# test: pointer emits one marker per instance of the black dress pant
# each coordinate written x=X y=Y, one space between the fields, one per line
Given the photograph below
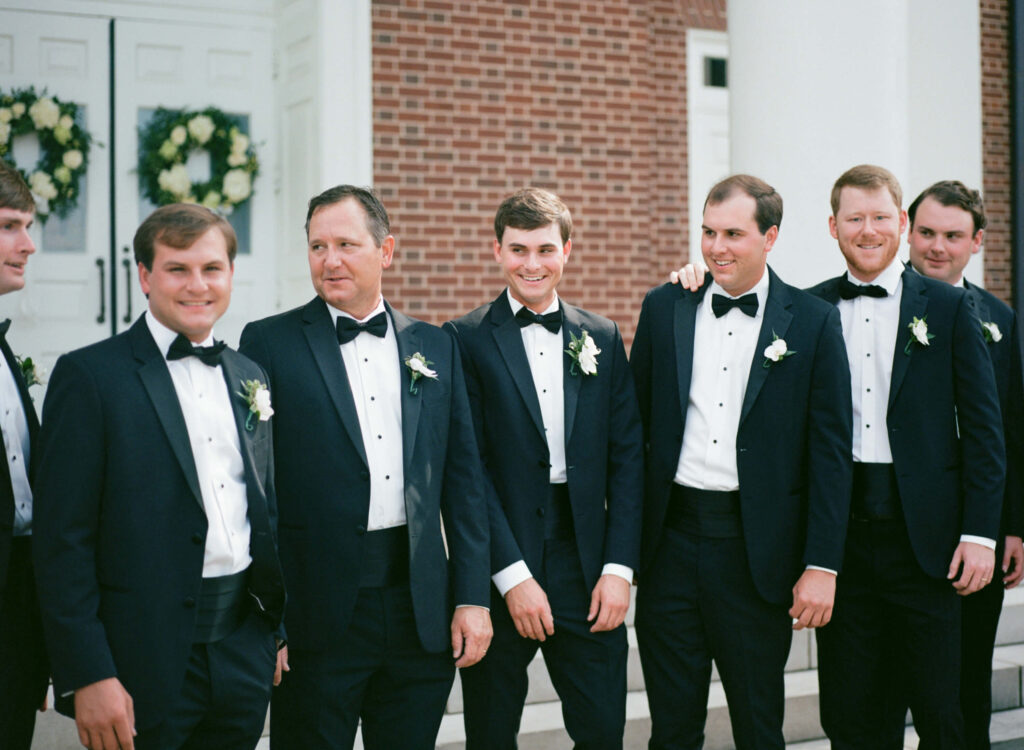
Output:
x=893 y=627
x=696 y=603
x=588 y=670
x=377 y=671
x=24 y=669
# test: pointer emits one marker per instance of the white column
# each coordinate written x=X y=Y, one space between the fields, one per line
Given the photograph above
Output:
x=817 y=86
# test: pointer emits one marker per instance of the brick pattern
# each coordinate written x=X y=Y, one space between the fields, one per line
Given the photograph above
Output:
x=473 y=100
x=996 y=136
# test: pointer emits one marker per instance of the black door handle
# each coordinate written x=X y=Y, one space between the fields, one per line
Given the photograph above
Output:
x=102 y=317
x=127 y=288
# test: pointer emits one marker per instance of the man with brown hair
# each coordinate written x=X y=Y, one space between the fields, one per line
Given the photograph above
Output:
x=745 y=396
x=23 y=667
x=158 y=575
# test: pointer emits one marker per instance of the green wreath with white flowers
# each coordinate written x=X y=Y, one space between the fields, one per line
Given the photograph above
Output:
x=63 y=147
x=165 y=143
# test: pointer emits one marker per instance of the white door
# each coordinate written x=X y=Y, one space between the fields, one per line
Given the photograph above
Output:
x=708 y=124
x=160 y=64
x=65 y=303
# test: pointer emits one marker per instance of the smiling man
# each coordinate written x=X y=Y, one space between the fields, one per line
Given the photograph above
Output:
x=559 y=434
x=376 y=451
x=158 y=575
x=745 y=397
x=23 y=667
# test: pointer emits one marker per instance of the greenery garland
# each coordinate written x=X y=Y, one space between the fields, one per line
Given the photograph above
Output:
x=165 y=144
x=63 y=147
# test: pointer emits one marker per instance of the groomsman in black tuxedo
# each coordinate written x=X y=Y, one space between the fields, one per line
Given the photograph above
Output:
x=745 y=396
x=154 y=528
x=947 y=224
x=928 y=480
x=23 y=667
x=557 y=425
x=375 y=447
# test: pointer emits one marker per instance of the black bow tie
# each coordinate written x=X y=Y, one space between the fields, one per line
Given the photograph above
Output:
x=849 y=290
x=348 y=329
x=747 y=304
x=552 y=320
x=208 y=355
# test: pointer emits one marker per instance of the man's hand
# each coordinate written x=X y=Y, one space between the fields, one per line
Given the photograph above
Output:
x=690 y=276
x=471 y=635
x=978 y=561
x=282 y=665
x=105 y=716
x=813 y=597
x=608 y=603
x=528 y=605
x=1013 y=561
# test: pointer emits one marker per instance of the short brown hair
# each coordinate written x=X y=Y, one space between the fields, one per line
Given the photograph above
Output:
x=953 y=193
x=768 y=212
x=867 y=177
x=14 y=193
x=532 y=208
x=179 y=225
x=377 y=222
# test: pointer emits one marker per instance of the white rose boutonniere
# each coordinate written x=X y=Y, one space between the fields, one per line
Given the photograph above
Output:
x=257 y=397
x=992 y=333
x=419 y=367
x=918 y=333
x=32 y=373
x=776 y=351
x=583 y=352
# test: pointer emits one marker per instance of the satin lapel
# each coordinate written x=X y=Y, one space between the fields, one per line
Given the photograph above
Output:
x=510 y=345
x=26 y=398
x=157 y=380
x=980 y=307
x=775 y=322
x=323 y=343
x=570 y=383
x=240 y=410
x=913 y=304
x=408 y=344
x=684 y=323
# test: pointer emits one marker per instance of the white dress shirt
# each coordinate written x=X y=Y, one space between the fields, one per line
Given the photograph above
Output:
x=723 y=350
x=544 y=352
x=371 y=364
x=14 y=424
x=870 y=328
x=213 y=434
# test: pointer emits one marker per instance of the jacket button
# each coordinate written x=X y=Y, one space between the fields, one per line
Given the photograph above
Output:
x=189 y=602
x=197 y=539
x=360 y=529
x=364 y=475
x=540 y=512
x=543 y=464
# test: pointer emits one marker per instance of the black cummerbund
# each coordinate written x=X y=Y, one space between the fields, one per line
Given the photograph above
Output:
x=222 y=606
x=385 y=559
x=558 y=513
x=876 y=496
x=707 y=513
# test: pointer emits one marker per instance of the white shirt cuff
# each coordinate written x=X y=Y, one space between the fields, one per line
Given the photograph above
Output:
x=818 y=567
x=982 y=540
x=480 y=606
x=510 y=577
x=622 y=571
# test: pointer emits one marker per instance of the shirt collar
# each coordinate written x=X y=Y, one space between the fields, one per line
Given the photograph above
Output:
x=760 y=289
x=517 y=305
x=164 y=336
x=336 y=313
x=889 y=279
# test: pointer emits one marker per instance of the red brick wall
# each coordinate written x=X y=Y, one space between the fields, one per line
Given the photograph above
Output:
x=996 y=136
x=473 y=100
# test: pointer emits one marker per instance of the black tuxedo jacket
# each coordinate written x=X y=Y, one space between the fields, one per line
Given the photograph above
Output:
x=602 y=440
x=943 y=420
x=793 y=444
x=323 y=479
x=1006 y=361
x=120 y=528
x=6 y=491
